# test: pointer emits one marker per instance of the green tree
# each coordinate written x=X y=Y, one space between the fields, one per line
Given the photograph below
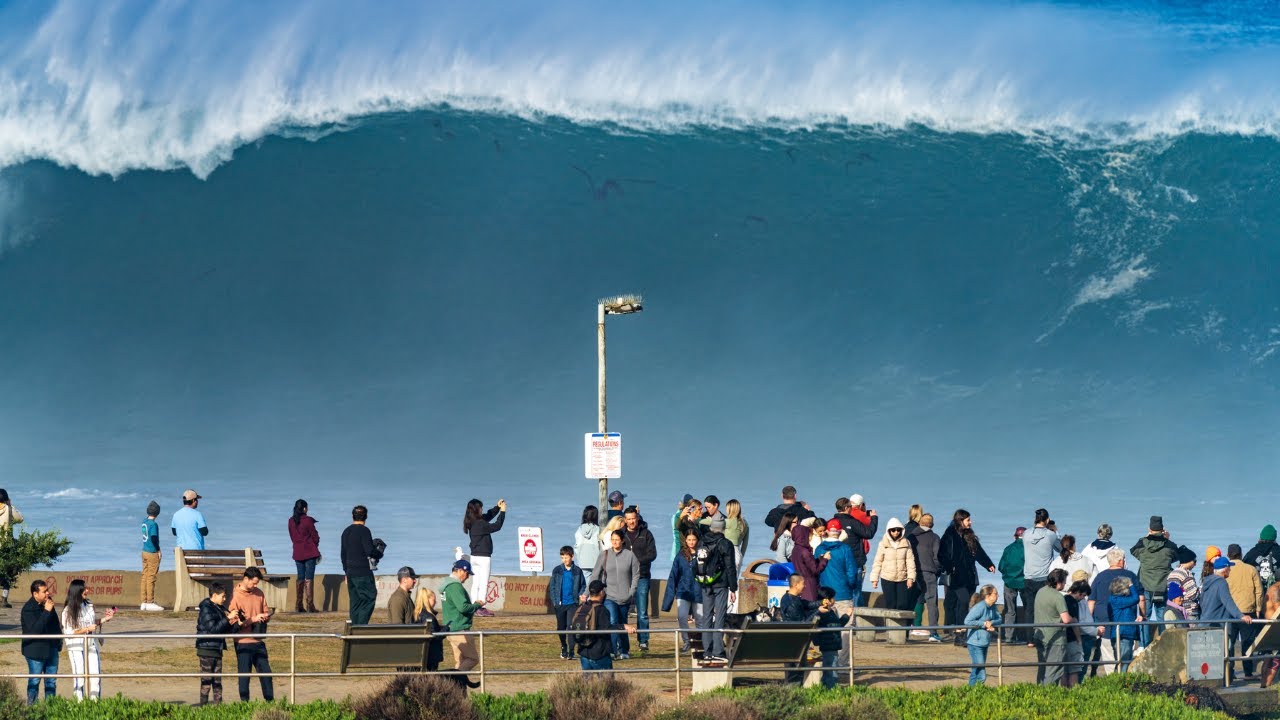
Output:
x=24 y=551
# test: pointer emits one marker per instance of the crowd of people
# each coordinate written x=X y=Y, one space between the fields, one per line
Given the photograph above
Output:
x=1069 y=590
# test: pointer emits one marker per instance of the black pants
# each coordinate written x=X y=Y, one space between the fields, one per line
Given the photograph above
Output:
x=564 y=616
x=897 y=596
x=1028 y=595
x=955 y=605
x=212 y=678
x=254 y=656
x=1242 y=637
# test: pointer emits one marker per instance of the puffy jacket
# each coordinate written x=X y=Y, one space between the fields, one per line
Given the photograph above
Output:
x=1011 y=566
x=1039 y=547
x=806 y=564
x=980 y=613
x=1156 y=556
x=681 y=585
x=305 y=537
x=894 y=561
x=482 y=530
x=925 y=543
x=1123 y=608
x=641 y=543
x=841 y=572
x=586 y=545
x=212 y=621
x=955 y=558
x=829 y=641
x=576 y=577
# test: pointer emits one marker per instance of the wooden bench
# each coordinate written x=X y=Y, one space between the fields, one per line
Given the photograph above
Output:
x=194 y=570
x=757 y=646
x=864 y=617
x=407 y=649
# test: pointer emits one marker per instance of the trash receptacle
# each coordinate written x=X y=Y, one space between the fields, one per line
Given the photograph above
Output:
x=779 y=580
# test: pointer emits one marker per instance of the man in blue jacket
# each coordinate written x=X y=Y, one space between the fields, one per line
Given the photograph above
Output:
x=841 y=575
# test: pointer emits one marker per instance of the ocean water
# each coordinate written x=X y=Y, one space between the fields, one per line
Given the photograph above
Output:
x=975 y=254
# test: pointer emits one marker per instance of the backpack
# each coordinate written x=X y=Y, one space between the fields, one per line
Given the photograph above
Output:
x=585 y=619
x=708 y=564
x=1266 y=569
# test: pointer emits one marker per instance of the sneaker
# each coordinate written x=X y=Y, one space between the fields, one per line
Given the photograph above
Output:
x=684 y=648
x=920 y=633
x=644 y=647
x=935 y=638
x=152 y=607
x=713 y=660
x=564 y=655
x=484 y=612
x=624 y=656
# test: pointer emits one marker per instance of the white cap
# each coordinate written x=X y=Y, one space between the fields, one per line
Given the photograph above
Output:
x=893 y=523
x=857 y=499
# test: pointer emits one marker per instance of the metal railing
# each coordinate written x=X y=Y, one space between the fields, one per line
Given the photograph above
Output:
x=679 y=669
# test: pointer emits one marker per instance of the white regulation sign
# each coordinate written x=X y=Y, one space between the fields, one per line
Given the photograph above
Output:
x=604 y=455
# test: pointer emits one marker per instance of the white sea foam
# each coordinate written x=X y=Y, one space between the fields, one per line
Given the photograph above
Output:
x=111 y=86
x=75 y=493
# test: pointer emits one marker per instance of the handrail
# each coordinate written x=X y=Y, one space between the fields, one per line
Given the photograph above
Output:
x=678 y=670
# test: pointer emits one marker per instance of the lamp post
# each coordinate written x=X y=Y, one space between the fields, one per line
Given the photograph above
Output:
x=620 y=305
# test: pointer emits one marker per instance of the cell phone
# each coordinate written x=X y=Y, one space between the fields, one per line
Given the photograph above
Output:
x=114 y=608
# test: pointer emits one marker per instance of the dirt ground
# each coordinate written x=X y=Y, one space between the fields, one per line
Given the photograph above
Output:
x=520 y=663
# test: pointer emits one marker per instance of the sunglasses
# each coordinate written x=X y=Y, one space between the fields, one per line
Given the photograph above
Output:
x=896 y=530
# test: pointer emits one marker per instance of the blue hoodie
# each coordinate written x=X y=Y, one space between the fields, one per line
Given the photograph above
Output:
x=841 y=572
x=978 y=614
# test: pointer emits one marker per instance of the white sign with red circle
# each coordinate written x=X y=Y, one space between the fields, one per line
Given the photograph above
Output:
x=1206 y=651
x=530 y=539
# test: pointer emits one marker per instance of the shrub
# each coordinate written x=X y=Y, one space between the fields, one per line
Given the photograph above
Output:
x=521 y=706
x=272 y=713
x=774 y=701
x=857 y=707
x=600 y=697
x=417 y=697
x=711 y=708
x=13 y=704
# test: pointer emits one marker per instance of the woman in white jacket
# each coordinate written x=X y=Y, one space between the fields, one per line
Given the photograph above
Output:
x=586 y=542
x=1070 y=560
x=80 y=623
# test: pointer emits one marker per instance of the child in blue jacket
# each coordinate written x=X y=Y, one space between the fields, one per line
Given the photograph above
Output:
x=1123 y=604
x=982 y=620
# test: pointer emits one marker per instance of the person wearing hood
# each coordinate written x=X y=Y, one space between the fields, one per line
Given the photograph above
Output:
x=1011 y=564
x=251 y=652
x=586 y=542
x=1039 y=546
x=896 y=566
x=1216 y=604
x=1097 y=551
x=642 y=544
x=860 y=525
x=806 y=564
x=1156 y=556
x=924 y=543
x=840 y=574
x=958 y=552
x=1265 y=556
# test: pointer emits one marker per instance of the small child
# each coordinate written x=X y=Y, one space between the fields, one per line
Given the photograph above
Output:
x=567 y=590
x=214 y=619
x=828 y=642
x=150 y=557
x=982 y=620
x=794 y=608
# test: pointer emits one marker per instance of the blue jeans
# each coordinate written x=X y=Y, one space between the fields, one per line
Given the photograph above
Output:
x=1154 y=612
x=641 y=600
x=857 y=588
x=978 y=673
x=42 y=667
x=830 y=658
x=306 y=569
x=618 y=616
x=604 y=663
x=1126 y=654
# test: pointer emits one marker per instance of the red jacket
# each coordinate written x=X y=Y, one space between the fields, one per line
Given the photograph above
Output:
x=305 y=537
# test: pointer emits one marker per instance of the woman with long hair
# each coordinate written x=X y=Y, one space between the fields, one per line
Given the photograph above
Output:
x=958 y=552
x=1070 y=559
x=480 y=525
x=736 y=529
x=586 y=542
x=80 y=622
x=683 y=590
x=424 y=613
x=306 y=553
x=782 y=540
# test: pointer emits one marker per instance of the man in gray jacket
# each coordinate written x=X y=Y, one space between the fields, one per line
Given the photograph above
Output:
x=621 y=573
x=1039 y=546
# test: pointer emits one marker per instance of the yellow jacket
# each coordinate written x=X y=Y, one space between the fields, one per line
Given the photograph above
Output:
x=1246 y=588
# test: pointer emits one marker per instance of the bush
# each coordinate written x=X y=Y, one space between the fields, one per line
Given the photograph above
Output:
x=857 y=707
x=272 y=713
x=417 y=697
x=600 y=697
x=711 y=708
x=521 y=706
x=13 y=704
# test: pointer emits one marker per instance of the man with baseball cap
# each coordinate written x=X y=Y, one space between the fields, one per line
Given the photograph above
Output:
x=615 y=505
x=188 y=524
x=400 y=604
x=456 y=611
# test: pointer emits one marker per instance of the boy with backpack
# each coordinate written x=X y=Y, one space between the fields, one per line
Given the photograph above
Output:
x=595 y=650
x=214 y=619
x=716 y=572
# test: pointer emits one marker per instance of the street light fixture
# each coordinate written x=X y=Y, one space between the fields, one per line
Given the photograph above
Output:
x=619 y=305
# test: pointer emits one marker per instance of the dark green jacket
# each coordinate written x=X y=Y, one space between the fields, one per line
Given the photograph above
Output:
x=456 y=608
x=1156 y=555
x=1010 y=566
